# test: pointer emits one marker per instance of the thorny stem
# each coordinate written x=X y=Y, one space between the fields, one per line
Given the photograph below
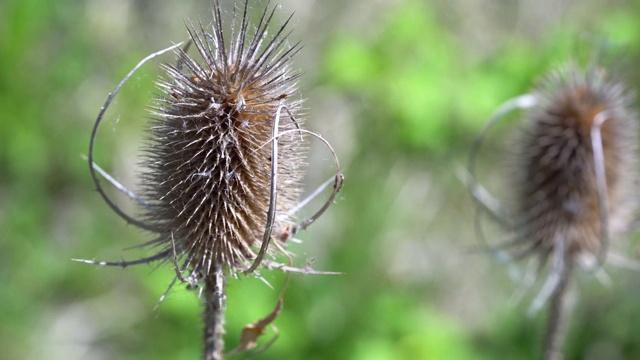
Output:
x=558 y=315
x=214 y=307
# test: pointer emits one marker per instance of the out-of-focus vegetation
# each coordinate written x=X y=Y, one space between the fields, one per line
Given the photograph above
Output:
x=400 y=88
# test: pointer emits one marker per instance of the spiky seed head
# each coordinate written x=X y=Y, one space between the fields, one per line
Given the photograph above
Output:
x=556 y=184
x=209 y=156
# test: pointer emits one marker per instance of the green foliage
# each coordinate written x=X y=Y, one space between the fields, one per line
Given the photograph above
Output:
x=423 y=92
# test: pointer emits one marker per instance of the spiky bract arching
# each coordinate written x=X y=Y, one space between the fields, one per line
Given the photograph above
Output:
x=209 y=158
x=556 y=185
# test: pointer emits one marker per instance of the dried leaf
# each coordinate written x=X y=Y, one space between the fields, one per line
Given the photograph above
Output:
x=251 y=333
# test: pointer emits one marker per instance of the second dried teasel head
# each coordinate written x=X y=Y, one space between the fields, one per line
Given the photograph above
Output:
x=574 y=185
x=573 y=181
x=576 y=165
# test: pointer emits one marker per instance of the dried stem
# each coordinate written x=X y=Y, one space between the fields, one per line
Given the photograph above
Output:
x=558 y=314
x=214 y=307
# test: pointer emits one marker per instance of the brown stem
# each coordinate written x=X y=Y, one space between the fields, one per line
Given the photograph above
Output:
x=558 y=313
x=214 y=307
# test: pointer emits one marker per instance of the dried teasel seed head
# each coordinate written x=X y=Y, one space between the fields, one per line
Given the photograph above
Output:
x=560 y=198
x=208 y=161
x=223 y=163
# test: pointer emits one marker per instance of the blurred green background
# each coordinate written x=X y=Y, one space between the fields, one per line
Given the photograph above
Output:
x=399 y=87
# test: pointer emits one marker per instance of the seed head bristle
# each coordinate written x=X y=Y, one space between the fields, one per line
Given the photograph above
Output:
x=209 y=155
x=557 y=190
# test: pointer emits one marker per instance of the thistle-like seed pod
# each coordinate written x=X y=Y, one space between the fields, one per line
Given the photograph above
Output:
x=576 y=180
x=582 y=122
x=224 y=161
x=209 y=158
x=574 y=184
x=214 y=168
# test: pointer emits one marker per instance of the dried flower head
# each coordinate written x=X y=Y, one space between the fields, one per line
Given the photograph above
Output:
x=584 y=122
x=209 y=159
x=224 y=160
x=575 y=179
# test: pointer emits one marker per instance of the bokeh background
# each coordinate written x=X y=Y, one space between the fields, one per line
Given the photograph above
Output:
x=400 y=87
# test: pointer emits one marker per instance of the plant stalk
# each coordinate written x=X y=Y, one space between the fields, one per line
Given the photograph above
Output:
x=558 y=314
x=214 y=307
